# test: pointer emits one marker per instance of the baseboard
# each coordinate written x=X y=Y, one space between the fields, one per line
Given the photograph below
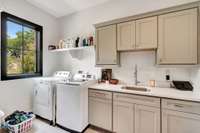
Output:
x=70 y=130
x=44 y=119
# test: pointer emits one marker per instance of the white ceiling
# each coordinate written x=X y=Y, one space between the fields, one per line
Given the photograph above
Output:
x=60 y=8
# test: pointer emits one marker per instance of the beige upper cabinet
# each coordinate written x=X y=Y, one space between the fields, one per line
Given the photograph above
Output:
x=146 y=33
x=106 y=45
x=178 y=37
x=126 y=36
x=136 y=35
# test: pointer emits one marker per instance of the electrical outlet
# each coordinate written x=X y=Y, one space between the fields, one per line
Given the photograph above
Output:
x=167 y=77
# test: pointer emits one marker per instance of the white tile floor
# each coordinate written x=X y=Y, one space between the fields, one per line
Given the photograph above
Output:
x=43 y=127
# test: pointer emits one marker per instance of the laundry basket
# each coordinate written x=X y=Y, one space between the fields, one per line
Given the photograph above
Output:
x=21 y=127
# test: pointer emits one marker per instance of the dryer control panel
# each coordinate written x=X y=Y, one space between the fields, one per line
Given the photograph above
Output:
x=63 y=74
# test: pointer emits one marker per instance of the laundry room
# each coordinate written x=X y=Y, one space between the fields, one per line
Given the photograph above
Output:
x=100 y=66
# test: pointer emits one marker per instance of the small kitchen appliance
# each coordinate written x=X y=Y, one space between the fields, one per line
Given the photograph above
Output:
x=183 y=85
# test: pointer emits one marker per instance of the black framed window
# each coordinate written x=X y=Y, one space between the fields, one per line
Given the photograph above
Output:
x=21 y=48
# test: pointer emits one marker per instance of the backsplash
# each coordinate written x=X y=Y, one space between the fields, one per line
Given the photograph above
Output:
x=147 y=69
x=145 y=60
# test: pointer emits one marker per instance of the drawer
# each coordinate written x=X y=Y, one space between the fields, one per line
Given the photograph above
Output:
x=183 y=106
x=100 y=94
x=143 y=100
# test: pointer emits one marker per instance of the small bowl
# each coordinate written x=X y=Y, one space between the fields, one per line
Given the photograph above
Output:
x=114 y=81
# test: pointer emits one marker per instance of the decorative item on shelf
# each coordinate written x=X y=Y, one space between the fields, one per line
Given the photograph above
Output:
x=73 y=43
x=77 y=42
x=52 y=47
x=61 y=44
x=85 y=42
x=80 y=43
x=70 y=42
x=90 y=41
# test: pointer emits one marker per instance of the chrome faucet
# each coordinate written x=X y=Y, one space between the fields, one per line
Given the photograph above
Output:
x=136 y=75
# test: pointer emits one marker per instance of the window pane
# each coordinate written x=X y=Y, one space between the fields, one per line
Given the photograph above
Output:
x=14 y=35
x=29 y=65
x=29 y=39
x=14 y=61
x=21 y=48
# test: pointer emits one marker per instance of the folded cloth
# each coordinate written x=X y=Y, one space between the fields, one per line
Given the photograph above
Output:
x=1 y=118
x=1 y=114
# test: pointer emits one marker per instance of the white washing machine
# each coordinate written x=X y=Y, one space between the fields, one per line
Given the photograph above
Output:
x=44 y=104
x=72 y=103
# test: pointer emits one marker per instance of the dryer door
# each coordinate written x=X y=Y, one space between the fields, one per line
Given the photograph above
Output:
x=42 y=94
x=43 y=100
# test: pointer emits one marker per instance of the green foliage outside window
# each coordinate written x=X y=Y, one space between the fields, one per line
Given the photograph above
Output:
x=21 y=55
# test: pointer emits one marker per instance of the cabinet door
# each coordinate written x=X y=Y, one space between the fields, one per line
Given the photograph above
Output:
x=123 y=117
x=147 y=119
x=126 y=36
x=106 y=45
x=179 y=122
x=100 y=113
x=178 y=38
x=146 y=33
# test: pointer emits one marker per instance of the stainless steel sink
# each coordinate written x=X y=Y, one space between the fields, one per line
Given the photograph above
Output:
x=134 y=88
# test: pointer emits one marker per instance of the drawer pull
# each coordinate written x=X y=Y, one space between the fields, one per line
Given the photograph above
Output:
x=99 y=94
x=179 y=106
x=128 y=97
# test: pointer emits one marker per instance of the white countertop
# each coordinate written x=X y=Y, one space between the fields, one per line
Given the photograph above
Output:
x=154 y=91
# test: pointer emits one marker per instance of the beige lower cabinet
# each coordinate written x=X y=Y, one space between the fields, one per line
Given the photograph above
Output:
x=180 y=122
x=147 y=119
x=123 y=117
x=131 y=118
x=180 y=116
x=100 y=109
x=131 y=114
x=126 y=113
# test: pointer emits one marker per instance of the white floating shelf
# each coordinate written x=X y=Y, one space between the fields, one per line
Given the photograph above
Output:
x=71 y=49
